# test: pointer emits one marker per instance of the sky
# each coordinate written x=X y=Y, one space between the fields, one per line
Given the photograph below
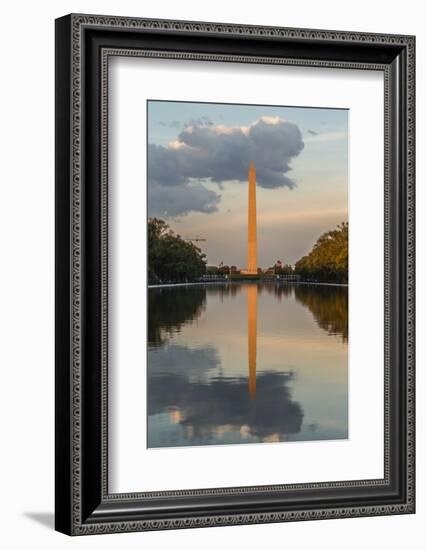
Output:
x=198 y=158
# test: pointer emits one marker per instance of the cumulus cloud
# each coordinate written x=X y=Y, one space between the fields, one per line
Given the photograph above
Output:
x=216 y=153
x=178 y=200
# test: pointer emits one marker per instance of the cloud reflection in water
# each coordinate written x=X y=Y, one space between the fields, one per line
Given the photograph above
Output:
x=207 y=410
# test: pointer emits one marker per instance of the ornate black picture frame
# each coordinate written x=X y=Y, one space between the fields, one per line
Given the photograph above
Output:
x=83 y=45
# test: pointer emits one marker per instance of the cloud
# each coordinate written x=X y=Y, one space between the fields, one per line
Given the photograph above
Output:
x=180 y=199
x=216 y=153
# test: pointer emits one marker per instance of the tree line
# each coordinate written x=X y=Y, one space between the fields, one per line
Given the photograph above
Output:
x=171 y=258
x=329 y=258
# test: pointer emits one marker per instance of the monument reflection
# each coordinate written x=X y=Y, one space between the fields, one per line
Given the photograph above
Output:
x=252 y=336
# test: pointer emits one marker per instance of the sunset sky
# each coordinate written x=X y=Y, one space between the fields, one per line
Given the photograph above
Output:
x=198 y=156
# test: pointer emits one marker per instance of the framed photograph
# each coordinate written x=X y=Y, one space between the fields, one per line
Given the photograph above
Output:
x=234 y=274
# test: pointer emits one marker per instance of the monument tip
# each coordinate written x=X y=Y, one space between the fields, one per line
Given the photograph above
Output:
x=251 y=166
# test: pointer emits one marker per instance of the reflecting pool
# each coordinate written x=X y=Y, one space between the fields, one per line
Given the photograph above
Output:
x=247 y=363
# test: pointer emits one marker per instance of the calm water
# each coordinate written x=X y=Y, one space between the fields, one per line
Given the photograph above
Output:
x=247 y=363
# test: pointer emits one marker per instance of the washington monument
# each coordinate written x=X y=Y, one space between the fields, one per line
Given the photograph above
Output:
x=252 y=232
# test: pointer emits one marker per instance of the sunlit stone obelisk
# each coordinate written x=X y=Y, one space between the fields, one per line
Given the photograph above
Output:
x=252 y=231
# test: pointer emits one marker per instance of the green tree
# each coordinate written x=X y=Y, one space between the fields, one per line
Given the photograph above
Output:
x=329 y=258
x=171 y=258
